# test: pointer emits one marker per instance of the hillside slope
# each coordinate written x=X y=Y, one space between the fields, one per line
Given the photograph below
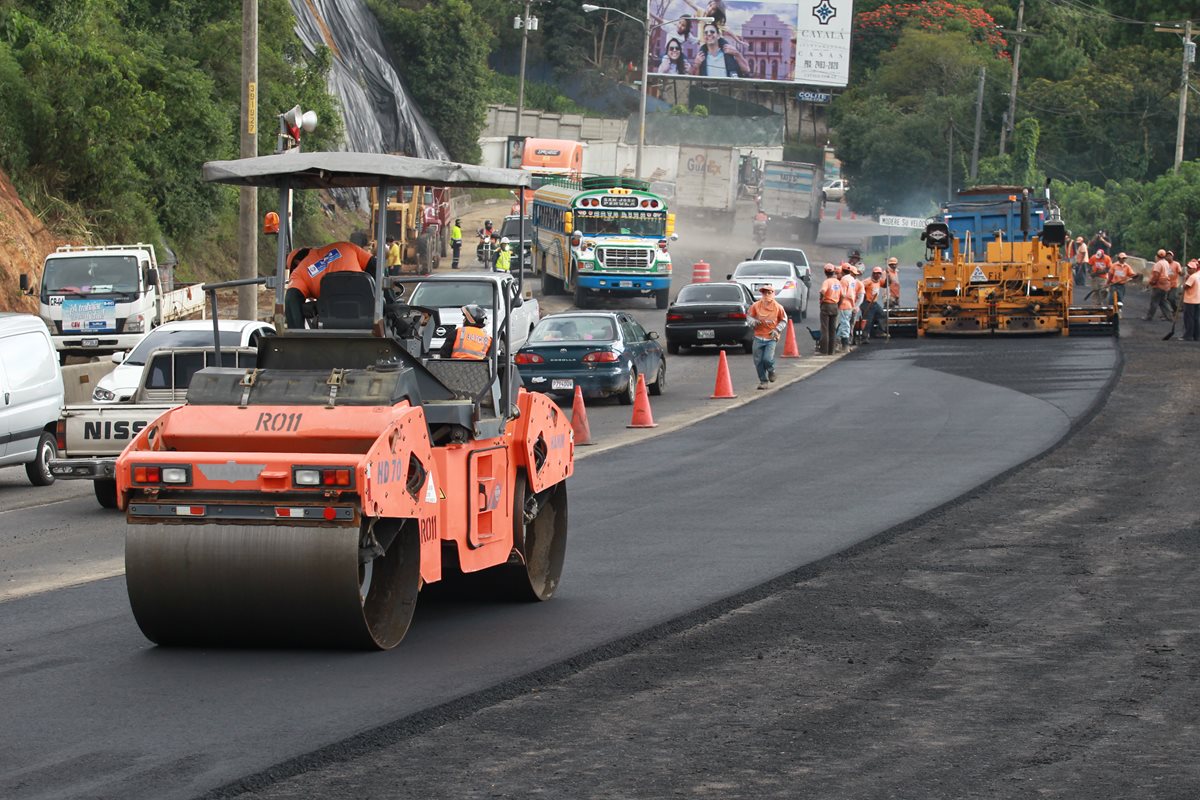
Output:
x=24 y=243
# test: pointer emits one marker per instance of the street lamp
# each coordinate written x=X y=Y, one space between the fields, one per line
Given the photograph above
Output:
x=524 y=23
x=647 y=27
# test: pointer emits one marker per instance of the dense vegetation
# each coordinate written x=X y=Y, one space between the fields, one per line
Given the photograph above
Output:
x=1096 y=110
x=109 y=106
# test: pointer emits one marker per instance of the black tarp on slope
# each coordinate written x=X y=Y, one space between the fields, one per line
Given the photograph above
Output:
x=379 y=115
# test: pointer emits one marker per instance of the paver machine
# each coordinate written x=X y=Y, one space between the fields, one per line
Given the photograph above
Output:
x=994 y=265
x=306 y=500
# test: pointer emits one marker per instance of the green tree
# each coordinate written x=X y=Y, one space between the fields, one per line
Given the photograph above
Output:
x=894 y=129
x=444 y=70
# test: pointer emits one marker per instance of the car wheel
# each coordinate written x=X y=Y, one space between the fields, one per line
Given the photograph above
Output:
x=106 y=492
x=660 y=380
x=748 y=346
x=629 y=393
x=38 y=470
x=673 y=348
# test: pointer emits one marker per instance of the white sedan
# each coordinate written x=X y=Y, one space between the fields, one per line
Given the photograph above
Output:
x=119 y=385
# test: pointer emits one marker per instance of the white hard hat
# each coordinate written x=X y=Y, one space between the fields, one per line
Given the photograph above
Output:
x=503 y=240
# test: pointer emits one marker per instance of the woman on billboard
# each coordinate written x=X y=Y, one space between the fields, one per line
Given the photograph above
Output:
x=673 y=61
x=717 y=58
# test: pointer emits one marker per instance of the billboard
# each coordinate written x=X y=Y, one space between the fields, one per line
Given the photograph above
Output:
x=772 y=41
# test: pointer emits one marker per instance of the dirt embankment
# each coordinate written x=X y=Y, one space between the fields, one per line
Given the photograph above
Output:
x=24 y=242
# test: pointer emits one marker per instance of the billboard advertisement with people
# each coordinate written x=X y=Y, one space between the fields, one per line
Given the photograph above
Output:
x=776 y=41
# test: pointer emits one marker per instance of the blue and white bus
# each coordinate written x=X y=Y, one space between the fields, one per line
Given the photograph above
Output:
x=602 y=236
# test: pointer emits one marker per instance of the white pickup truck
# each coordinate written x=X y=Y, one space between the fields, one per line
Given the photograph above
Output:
x=91 y=436
x=100 y=300
x=449 y=293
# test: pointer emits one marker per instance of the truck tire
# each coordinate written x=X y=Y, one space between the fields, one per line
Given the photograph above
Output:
x=662 y=298
x=106 y=492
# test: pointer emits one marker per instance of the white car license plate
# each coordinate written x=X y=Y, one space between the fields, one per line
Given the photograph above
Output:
x=562 y=383
x=706 y=334
x=91 y=342
x=625 y=284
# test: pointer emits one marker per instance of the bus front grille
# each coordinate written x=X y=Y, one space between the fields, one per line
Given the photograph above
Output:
x=623 y=257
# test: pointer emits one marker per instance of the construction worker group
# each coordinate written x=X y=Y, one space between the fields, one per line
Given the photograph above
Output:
x=853 y=308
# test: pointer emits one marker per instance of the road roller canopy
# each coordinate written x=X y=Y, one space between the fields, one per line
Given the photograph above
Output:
x=340 y=170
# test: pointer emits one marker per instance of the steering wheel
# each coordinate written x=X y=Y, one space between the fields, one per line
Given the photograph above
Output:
x=409 y=321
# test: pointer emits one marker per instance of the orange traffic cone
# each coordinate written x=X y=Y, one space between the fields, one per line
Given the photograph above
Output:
x=724 y=387
x=579 y=423
x=839 y=212
x=790 y=348
x=701 y=272
x=641 y=407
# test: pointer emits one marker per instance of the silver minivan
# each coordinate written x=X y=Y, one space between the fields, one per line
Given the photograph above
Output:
x=31 y=396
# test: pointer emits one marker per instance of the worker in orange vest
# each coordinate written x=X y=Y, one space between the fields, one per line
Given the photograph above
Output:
x=874 y=289
x=1160 y=284
x=893 y=282
x=1098 y=266
x=1119 y=274
x=471 y=341
x=845 y=323
x=308 y=266
x=831 y=296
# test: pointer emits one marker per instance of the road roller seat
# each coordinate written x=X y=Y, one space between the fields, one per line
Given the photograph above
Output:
x=347 y=301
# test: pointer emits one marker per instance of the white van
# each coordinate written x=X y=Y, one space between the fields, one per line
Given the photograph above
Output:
x=31 y=396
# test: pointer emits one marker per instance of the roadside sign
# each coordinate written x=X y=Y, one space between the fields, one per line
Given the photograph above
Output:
x=903 y=222
x=814 y=97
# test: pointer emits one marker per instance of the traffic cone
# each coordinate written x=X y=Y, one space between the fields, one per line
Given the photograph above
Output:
x=724 y=387
x=579 y=423
x=790 y=348
x=701 y=272
x=839 y=213
x=641 y=407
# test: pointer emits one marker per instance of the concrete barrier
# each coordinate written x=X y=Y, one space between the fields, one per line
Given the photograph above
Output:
x=80 y=379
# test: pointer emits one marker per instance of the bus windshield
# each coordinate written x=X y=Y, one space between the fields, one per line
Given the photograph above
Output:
x=601 y=222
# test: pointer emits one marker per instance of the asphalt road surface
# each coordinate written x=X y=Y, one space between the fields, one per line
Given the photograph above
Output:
x=661 y=530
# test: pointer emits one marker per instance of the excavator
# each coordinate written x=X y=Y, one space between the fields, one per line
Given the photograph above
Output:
x=994 y=265
x=306 y=500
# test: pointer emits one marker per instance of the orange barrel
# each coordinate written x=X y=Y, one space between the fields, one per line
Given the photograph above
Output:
x=700 y=272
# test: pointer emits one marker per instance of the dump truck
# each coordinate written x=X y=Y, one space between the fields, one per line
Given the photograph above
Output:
x=994 y=265
x=306 y=500
x=98 y=300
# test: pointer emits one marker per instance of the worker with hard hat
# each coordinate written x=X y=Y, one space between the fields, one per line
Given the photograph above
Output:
x=845 y=319
x=874 y=289
x=471 y=341
x=1120 y=273
x=504 y=256
x=1191 y=302
x=893 y=282
x=455 y=242
x=1098 y=266
x=1160 y=285
x=308 y=266
x=830 y=297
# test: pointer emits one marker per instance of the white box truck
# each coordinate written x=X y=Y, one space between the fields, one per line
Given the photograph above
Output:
x=791 y=198
x=99 y=300
x=706 y=185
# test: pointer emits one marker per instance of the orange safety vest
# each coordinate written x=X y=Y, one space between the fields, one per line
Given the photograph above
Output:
x=831 y=291
x=872 y=289
x=471 y=343
x=1120 y=273
x=893 y=279
x=1101 y=265
x=849 y=293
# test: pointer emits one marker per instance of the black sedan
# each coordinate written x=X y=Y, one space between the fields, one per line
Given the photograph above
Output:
x=600 y=352
x=710 y=313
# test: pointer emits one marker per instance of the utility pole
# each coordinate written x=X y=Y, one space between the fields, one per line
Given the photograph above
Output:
x=248 y=195
x=1189 y=55
x=1011 y=120
x=526 y=23
x=978 y=124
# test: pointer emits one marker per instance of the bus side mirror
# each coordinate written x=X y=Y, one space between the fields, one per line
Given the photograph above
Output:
x=674 y=237
x=24 y=282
